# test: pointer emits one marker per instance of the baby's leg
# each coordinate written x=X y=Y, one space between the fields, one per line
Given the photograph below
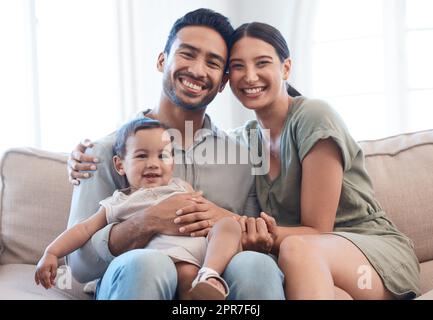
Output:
x=224 y=242
x=186 y=272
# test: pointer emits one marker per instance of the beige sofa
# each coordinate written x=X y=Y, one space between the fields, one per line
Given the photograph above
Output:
x=35 y=197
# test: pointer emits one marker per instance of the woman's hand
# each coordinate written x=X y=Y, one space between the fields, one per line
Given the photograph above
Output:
x=258 y=234
x=78 y=162
x=46 y=270
x=197 y=219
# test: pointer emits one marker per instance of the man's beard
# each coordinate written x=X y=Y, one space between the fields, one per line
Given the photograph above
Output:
x=170 y=91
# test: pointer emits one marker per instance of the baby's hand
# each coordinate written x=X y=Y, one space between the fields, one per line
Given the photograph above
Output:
x=46 y=270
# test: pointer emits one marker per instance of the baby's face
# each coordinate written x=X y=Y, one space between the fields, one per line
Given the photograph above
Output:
x=148 y=161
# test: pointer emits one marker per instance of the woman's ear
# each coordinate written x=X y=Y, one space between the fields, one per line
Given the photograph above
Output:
x=223 y=82
x=160 y=62
x=287 y=66
x=118 y=165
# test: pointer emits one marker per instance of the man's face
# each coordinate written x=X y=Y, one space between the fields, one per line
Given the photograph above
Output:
x=194 y=69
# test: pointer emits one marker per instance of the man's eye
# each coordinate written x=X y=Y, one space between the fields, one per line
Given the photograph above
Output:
x=186 y=54
x=214 y=65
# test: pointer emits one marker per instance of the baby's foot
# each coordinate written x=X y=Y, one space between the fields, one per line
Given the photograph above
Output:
x=209 y=286
x=217 y=284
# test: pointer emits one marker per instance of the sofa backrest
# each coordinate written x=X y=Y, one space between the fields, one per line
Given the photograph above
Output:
x=401 y=168
x=35 y=194
x=34 y=203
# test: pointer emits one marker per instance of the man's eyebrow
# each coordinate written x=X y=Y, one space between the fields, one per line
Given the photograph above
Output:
x=210 y=54
x=188 y=46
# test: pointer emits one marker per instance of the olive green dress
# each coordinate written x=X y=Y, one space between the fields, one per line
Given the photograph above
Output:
x=359 y=218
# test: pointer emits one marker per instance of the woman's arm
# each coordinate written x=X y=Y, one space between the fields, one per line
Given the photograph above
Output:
x=76 y=236
x=322 y=178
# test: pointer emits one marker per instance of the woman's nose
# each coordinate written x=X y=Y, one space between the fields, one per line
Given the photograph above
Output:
x=251 y=76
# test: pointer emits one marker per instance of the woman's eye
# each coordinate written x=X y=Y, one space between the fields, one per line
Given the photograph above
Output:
x=262 y=63
x=236 y=66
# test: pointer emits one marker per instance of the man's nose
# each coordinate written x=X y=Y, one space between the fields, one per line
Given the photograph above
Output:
x=197 y=68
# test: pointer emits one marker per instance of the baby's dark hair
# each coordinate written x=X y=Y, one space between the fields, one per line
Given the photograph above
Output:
x=131 y=128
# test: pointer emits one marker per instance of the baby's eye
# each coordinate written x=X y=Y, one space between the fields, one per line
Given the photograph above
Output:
x=164 y=156
x=142 y=156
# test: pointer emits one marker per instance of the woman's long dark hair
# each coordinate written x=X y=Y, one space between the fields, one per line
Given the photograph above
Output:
x=268 y=34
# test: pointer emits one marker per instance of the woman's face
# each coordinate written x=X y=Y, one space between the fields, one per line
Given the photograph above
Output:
x=257 y=76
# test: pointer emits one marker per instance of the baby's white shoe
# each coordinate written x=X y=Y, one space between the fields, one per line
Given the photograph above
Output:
x=202 y=289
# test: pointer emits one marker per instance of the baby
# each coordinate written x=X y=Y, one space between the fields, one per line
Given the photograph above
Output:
x=144 y=154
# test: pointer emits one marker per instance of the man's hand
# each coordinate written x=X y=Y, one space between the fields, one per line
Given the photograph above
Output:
x=258 y=234
x=78 y=161
x=198 y=218
x=164 y=213
x=138 y=230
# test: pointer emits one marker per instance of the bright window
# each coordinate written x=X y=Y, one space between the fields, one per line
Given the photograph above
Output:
x=372 y=60
x=59 y=75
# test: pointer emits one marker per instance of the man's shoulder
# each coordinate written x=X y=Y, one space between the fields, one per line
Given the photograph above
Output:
x=103 y=147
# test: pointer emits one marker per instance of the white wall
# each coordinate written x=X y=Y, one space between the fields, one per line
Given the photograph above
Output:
x=151 y=22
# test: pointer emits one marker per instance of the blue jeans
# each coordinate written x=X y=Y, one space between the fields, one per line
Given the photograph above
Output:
x=151 y=275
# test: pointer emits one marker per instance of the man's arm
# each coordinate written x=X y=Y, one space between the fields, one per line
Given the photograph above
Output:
x=90 y=261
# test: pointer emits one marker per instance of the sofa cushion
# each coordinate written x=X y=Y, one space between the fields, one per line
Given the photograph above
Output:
x=35 y=201
x=17 y=282
x=401 y=171
x=426 y=276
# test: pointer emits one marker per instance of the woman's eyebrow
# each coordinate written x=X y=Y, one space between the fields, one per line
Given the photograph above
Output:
x=264 y=56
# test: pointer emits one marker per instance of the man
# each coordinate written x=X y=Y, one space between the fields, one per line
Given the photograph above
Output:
x=193 y=65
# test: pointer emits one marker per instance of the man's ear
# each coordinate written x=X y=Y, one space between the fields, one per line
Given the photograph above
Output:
x=118 y=165
x=287 y=67
x=223 y=82
x=160 y=62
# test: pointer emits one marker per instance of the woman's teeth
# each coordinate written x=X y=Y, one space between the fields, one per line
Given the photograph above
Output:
x=253 y=90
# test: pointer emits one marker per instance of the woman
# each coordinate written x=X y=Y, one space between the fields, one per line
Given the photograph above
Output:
x=333 y=239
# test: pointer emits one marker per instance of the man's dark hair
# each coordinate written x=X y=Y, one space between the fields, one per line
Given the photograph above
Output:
x=201 y=17
x=131 y=128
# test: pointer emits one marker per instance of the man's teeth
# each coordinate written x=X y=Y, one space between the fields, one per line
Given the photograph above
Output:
x=191 y=85
x=253 y=90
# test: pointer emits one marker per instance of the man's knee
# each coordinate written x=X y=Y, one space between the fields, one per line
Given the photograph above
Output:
x=253 y=275
x=143 y=262
x=139 y=274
